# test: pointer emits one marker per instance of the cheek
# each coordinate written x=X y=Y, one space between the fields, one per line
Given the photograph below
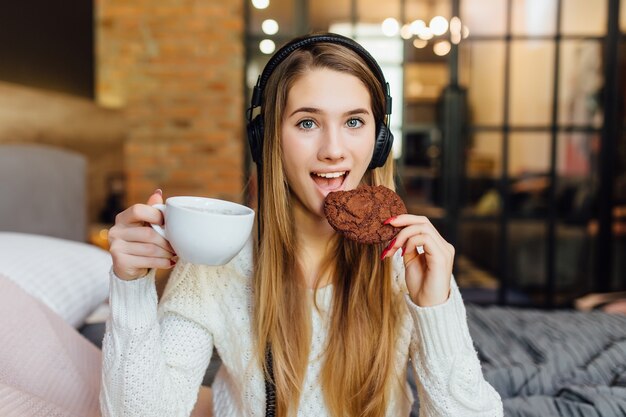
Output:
x=362 y=152
x=290 y=171
x=290 y=155
x=365 y=149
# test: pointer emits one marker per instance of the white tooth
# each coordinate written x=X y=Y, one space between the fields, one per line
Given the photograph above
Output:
x=330 y=174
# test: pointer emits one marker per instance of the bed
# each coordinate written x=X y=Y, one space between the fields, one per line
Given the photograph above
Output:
x=560 y=363
x=51 y=281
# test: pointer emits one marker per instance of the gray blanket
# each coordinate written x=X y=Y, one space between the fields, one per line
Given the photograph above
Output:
x=561 y=363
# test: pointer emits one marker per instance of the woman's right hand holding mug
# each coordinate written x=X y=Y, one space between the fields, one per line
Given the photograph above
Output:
x=135 y=246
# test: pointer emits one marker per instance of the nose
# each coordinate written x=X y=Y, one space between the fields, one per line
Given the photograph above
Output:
x=331 y=145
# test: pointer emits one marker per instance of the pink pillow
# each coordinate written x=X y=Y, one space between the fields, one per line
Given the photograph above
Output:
x=46 y=367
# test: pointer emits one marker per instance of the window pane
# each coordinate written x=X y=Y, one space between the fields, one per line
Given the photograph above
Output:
x=375 y=11
x=484 y=17
x=576 y=170
x=426 y=9
x=482 y=71
x=324 y=13
x=580 y=83
x=282 y=11
x=482 y=171
x=584 y=17
x=576 y=201
x=478 y=265
x=421 y=171
x=423 y=83
x=529 y=154
x=574 y=261
x=577 y=154
x=417 y=18
x=534 y=17
x=527 y=260
x=532 y=72
x=420 y=111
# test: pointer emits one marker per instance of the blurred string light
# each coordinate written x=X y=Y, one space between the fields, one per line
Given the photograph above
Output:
x=269 y=27
x=267 y=46
x=455 y=30
x=441 y=48
x=438 y=26
x=390 y=27
x=455 y=25
x=425 y=34
x=260 y=4
x=420 y=43
x=416 y=26
x=405 y=32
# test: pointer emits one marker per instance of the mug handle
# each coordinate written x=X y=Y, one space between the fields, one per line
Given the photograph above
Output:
x=158 y=228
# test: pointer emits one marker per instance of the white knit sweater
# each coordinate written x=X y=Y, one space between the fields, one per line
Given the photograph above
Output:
x=155 y=356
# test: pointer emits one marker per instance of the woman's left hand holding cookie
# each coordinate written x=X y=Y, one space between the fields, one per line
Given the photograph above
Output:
x=427 y=272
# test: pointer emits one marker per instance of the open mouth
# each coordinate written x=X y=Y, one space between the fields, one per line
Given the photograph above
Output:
x=329 y=181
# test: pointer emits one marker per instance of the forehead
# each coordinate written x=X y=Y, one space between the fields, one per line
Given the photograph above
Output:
x=328 y=90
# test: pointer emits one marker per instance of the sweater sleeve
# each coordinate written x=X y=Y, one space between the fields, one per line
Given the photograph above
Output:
x=448 y=373
x=154 y=358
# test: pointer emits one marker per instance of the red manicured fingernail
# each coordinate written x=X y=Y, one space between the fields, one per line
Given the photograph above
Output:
x=403 y=249
x=391 y=244
x=384 y=253
x=172 y=262
x=389 y=220
x=158 y=191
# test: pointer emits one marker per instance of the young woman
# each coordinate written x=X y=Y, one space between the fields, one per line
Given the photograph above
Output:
x=328 y=323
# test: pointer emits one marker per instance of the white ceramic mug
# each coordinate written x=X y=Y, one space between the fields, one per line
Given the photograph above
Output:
x=203 y=230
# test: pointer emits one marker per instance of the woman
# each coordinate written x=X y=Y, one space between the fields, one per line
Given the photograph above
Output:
x=340 y=319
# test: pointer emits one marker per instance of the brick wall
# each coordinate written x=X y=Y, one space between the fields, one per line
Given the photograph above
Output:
x=176 y=69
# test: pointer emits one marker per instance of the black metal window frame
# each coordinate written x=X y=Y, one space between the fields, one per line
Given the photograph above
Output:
x=609 y=129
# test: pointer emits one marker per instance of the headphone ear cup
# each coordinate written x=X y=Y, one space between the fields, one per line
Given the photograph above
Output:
x=255 y=138
x=382 y=147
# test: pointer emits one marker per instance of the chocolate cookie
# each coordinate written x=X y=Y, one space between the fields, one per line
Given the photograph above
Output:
x=359 y=214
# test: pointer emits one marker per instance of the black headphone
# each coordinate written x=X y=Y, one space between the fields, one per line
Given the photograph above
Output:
x=384 y=137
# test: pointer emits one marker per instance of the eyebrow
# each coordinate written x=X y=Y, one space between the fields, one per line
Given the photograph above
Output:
x=318 y=111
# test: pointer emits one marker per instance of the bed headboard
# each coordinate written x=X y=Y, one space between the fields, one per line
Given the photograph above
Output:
x=42 y=191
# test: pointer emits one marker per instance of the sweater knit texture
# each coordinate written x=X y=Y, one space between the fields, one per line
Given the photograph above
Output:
x=155 y=353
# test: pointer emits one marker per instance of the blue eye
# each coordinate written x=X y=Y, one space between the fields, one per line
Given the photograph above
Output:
x=354 y=123
x=306 y=124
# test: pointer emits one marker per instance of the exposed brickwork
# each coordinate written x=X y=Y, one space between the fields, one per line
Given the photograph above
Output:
x=176 y=68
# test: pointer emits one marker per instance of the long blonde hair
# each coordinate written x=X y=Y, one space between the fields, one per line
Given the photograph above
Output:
x=358 y=367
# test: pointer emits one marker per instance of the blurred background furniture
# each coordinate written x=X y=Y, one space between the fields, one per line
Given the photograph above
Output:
x=43 y=191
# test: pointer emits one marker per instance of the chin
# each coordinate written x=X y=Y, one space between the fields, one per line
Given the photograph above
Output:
x=316 y=207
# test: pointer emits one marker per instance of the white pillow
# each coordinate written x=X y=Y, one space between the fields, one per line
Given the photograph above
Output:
x=72 y=278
